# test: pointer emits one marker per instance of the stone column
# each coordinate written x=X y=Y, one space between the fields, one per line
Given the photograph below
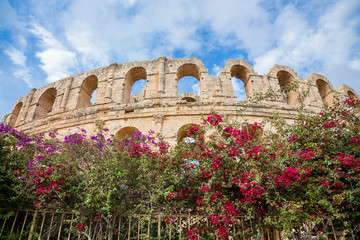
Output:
x=111 y=75
x=218 y=84
x=161 y=88
x=66 y=94
x=27 y=104
x=159 y=120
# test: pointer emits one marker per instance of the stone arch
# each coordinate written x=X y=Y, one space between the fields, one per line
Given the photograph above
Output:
x=351 y=94
x=324 y=90
x=125 y=131
x=45 y=103
x=133 y=75
x=242 y=73
x=189 y=99
x=188 y=70
x=88 y=86
x=286 y=79
x=15 y=114
x=182 y=132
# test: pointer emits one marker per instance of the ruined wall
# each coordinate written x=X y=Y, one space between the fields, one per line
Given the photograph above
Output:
x=66 y=103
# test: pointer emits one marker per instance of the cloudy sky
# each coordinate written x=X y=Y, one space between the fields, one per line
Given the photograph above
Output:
x=45 y=40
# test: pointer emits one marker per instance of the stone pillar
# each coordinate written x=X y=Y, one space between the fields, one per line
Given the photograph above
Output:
x=159 y=120
x=27 y=104
x=111 y=75
x=66 y=94
x=218 y=84
x=161 y=88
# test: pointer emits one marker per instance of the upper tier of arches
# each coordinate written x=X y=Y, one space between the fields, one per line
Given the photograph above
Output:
x=112 y=85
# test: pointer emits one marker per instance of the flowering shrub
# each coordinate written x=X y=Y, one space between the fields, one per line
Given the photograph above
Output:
x=294 y=176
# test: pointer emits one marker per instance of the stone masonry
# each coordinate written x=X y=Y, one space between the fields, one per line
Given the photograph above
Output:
x=64 y=105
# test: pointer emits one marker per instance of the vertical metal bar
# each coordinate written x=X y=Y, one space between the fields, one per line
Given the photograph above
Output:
x=12 y=228
x=90 y=229
x=242 y=223
x=352 y=235
x=268 y=233
x=3 y=226
x=332 y=226
x=251 y=225
x=42 y=225
x=22 y=229
x=61 y=223
x=72 y=217
x=33 y=224
x=138 y=234
x=148 y=230
x=129 y=227
x=234 y=229
x=100 y=230
x=119 y=227
x=180 y=225
x=51 y=222
x=159 y=227
x=170 y=230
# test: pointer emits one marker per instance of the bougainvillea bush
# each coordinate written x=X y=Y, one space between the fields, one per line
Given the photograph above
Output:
x=294 y=177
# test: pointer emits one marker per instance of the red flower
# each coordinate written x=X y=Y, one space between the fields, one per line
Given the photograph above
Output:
x=80 y=227
x=214 y=119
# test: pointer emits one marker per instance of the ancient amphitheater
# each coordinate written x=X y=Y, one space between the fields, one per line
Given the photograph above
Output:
x=65 y=104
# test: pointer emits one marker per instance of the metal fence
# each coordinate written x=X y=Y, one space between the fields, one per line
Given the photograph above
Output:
x=31 y=224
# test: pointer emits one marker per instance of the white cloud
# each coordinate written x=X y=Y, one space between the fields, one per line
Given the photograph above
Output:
x=20 y=71
x=196 y=88
x=23 y=73
x=84 y=34
x=1 y=72
x=327 y=44
x=57 y=61
x=355 y=64
x=216 y=70
x=16 y=56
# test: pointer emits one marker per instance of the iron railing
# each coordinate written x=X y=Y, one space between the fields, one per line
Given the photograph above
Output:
x=46 y=225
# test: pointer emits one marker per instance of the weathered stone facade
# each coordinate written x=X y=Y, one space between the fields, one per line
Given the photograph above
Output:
x=65 y=104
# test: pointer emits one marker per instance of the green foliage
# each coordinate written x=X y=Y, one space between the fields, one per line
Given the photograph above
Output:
x=294 y=175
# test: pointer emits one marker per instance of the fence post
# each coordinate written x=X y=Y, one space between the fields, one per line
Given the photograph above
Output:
x=159 y=227
x=332 y=226
x=3 y=226
x=23 y=226
x=33 y=224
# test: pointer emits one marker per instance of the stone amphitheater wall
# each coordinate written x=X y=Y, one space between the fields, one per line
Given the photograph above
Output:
x=64 y=105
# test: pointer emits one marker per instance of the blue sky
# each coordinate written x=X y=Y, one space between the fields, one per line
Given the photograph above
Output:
x=45 y=40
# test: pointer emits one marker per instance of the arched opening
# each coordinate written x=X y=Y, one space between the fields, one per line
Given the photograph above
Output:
x=133 y=75
x=182 y=134
x=324 y=90
x=45 y=103
x=125 y=132
x=189 y=99
x=351 y=95
x=92 y=100
x=138 y=86
x=88 y=91
x=188 y=79
x=286 y=81
x=15 y=114
x=239 y=77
